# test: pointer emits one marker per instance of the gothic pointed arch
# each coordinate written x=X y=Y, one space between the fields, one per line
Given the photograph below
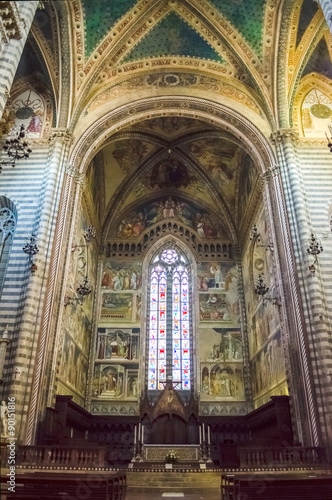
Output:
x=313 y=106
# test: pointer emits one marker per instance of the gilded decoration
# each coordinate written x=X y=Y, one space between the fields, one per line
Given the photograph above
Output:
x=314 y=85
x=134 y=30
x=236 y=91
x=297 y=54
x=316 y=114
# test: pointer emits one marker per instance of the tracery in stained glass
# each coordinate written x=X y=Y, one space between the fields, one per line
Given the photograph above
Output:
x=169 y=323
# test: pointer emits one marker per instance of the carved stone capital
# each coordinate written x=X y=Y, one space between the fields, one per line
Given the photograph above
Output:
x=74 y=172
x=60 y=134
x=284 y=135
x=71 y=170
x=269 y=173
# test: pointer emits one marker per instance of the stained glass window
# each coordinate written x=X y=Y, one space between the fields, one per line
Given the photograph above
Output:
x=169 y=356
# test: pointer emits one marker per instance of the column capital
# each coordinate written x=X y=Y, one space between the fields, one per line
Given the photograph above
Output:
x=74 y=172
x=61 y=134
x=284 y=135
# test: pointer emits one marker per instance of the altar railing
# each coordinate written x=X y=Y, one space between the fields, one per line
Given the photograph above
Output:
x=279 y=457
x=59 y=456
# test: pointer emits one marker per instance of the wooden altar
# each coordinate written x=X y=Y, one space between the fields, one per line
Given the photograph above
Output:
x=170 y=419
x=158 y=453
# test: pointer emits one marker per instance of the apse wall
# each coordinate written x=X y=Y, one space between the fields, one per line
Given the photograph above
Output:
x=266 y=352
x=77 y=323
x=120 y=345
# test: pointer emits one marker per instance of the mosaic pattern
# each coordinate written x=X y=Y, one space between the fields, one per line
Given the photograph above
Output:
x=173 y=37
x=100 y=16
x=247 y=17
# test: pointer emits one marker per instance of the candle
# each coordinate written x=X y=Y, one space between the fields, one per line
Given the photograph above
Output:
x=209 y=435
x=135 y=436
x=142 y=434
x=203 y=434
x=139 y=431
x=200 y=435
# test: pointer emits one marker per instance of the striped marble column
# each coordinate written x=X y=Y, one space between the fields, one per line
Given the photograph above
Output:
x=12 y=48
x=294 y=219
x=316 y=168
x=327 y=9
x=30 y=355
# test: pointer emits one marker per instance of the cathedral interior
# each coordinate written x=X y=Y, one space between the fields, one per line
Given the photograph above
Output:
x=165 y=242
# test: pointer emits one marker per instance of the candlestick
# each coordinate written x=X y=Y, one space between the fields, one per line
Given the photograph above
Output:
x=209 y=442
x=139 y=431
x=135 y=436
x=200 y=435
x=142 y=434
x=203 y=434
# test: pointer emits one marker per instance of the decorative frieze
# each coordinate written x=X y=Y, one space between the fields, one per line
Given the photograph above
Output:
x=122 y=408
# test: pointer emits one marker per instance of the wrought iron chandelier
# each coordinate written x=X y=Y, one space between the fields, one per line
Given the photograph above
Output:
x=31 y=249
x=262 y=288
x=255 y=236
x=315 y=248
x=85 y=286
x=16 y=146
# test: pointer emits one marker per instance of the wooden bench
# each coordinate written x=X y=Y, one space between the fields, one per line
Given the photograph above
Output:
x=66 y=486
x=275 y=487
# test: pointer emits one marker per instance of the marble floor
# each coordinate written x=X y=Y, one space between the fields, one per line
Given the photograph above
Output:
x=163 y=494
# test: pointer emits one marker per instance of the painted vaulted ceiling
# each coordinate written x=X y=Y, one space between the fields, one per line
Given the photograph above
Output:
x=257 y=57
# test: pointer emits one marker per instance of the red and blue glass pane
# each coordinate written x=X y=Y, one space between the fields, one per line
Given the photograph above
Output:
x=180 y=325
x=180 y=328
x=157 y=330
